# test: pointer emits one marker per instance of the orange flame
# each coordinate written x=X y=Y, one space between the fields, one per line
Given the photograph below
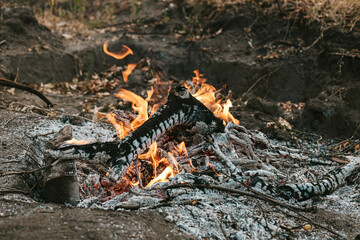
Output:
x=128 y=71
x=120 y=54
x=168 y=172
x=151 y=154
x=121 y=129
x=205 y=93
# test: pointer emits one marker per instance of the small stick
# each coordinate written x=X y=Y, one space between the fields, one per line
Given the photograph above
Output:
x=249 y=194
x=163 y=204
x=20 y=86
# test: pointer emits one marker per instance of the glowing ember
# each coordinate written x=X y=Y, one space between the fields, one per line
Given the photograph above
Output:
x=73 y=141
x=205 y=93
x=128 y=71
x=120 y=54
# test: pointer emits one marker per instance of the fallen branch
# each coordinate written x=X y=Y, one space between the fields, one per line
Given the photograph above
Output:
x=8 y=83
x=13 y=190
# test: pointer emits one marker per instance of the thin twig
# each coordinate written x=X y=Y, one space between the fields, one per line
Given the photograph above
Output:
x=315 y=42
x=8 y=121
x=3 y=174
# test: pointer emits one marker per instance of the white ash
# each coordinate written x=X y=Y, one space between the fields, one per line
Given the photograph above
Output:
x=217 y=214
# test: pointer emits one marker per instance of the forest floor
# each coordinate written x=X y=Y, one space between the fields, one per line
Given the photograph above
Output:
x=281 y=73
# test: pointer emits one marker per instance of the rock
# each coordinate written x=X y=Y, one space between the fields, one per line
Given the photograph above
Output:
x=331 y=117
x=169 y=218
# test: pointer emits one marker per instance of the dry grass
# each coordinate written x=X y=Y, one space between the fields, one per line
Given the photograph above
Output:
x=341 y=13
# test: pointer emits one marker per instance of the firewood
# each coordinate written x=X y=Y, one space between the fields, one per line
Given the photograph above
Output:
x=181 y=109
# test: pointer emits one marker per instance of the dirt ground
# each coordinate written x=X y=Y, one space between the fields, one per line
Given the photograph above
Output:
x=24 y=220
x=262 y=59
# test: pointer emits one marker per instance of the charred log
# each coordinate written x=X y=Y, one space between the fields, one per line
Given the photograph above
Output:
x=181 y=109
x=303 y=191
x=326 y=185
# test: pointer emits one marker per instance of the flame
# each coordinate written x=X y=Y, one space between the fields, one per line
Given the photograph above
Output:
x=128 y=71
x=163 y=167
x=73 y=141
x=205 y=93
x=120 y=54
x=121 y=129
x=151 y=155
x=139 y=105
x=163 y=177
x=167 y=166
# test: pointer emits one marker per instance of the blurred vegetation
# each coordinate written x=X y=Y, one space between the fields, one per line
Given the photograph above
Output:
x=329 y=13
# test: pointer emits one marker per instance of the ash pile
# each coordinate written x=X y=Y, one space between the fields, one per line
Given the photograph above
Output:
x=213 y=178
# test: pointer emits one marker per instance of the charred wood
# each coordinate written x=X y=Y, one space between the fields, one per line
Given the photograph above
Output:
x=303 y=191
x=181 y=109
x=326 y=185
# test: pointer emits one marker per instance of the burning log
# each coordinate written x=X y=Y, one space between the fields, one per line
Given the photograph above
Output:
x=181 y=109
x=232 y=147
